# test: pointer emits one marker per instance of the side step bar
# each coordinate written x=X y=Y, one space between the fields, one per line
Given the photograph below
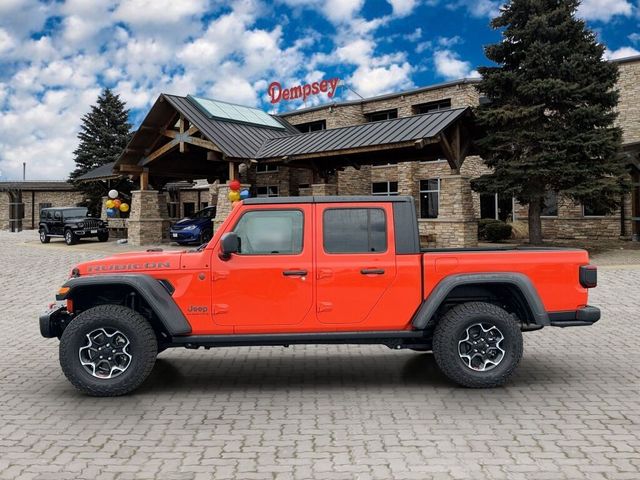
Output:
x=285 y=339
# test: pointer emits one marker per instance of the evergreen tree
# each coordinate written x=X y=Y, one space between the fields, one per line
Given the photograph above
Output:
x=549 y=122
x=104 y=134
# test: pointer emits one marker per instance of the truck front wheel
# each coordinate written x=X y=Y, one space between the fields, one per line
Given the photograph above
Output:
x=477 y=345
x=108 y=350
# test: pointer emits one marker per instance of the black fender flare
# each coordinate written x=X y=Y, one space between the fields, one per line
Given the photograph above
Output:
x=150 y=289
x=424 y=317
x=43 y=226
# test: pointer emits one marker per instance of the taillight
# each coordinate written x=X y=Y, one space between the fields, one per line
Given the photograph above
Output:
x=588 y=276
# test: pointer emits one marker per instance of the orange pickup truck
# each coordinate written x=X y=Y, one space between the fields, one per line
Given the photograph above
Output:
x=315 y=270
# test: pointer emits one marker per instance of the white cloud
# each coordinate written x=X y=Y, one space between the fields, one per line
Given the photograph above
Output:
x=449 y=65
x=622 y=52
x=6 y=41
x=158 y=12
x=369 y=81
x=604 y=10
x=478 y=8
x=402 y=8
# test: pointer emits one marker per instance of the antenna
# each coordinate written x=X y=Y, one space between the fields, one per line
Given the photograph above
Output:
x=343 y=84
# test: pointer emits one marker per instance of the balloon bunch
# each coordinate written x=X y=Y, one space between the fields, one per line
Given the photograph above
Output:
x=115 y=205
x=235 y=195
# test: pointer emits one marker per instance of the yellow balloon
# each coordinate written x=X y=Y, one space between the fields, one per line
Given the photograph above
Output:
x=124 y=207
x=234 y=196
x=109 y=203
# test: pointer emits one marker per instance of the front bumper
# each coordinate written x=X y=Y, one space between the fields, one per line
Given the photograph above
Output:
x=90 y=232
x=184 y=235
x=582 y=317
x=53 y=321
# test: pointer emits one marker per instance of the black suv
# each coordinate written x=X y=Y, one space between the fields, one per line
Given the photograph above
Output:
x=71 y=223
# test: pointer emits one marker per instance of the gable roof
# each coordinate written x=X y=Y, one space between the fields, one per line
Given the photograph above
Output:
x=235 y=139
x=103 y=172
x=388 y=132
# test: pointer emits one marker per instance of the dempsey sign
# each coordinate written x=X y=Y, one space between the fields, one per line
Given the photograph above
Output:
x=277 y=92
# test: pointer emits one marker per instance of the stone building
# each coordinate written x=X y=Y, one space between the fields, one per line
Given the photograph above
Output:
x=414 y=143
x=34 y=196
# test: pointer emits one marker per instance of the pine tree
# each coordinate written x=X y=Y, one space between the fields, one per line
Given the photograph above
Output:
x=549 y=122
x=104 y=134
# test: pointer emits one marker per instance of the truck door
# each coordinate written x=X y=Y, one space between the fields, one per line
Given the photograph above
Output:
x=355 y=260
x=270 y=281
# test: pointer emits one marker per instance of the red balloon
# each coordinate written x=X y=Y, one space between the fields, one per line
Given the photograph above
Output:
x=234 y=185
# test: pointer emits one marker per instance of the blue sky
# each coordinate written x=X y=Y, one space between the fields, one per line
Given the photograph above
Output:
x=56 y=56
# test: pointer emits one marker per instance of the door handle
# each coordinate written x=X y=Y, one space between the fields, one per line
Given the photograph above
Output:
x=372 y=271
x=294 y=273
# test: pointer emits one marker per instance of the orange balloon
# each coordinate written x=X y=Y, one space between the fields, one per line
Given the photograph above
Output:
x=117 y=203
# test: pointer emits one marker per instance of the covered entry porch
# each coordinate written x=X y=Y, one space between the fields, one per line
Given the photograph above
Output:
x=188 y=138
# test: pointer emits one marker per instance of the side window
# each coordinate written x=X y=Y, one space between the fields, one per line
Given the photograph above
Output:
x=354 y=230
x=270 y=232
x=57 y=215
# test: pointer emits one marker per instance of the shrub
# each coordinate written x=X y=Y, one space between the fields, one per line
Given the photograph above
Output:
x=482 y=227
x=498 y=232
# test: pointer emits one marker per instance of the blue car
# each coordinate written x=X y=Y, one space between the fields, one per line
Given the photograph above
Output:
x=195 y=229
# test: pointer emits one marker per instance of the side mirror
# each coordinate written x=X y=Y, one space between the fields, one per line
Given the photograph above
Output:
x=229 y=243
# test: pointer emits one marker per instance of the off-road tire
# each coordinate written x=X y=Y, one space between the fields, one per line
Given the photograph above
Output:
x=70 y=238
x=143 y=349
x=44 y=238
x=451 y=329
x=103 y=237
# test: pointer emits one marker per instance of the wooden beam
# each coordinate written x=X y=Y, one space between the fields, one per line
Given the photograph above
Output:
x=201 y=142
x=192 y=130
x=449 y=152
x=181 y=129
x=159 y=152
x=144 y=179
x=125 y=168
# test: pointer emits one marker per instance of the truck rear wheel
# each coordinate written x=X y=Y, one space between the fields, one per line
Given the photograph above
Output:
x=108 y=350
x=477 y=345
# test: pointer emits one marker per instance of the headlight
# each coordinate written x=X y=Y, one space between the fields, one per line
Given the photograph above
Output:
x=191 y=227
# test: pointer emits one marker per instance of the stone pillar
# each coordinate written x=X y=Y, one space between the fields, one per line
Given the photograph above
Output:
x=148 y=218
x=4 y=211
x=456 y=225
x=103 y=208
x=323 y=189
x=223 y=205
x=408 y=182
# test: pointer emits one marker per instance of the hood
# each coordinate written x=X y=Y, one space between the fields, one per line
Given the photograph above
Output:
x=190 y=221
x=132 y=262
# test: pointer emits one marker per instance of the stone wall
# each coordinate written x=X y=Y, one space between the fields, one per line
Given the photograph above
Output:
x=32 y=201
x=462 y=94
x=148 y=223
x=629 y=103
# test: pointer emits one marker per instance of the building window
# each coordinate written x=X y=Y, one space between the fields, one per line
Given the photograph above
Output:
x=384 y=188
x=188 y=208
x=593 y=209
x=550 y=205
x=268 y=191
x=383 y=115
x=429 y=198
x=354 y=230
x=429 y=107
x=312 y=126
x=270 y=232
x=266 y=168
x=495 y=206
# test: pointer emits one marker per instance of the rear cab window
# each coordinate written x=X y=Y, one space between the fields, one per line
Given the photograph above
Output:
x=354 y=230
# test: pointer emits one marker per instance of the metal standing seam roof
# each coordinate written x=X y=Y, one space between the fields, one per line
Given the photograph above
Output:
x=386 y=132
x=236 y=140
x=103 y=172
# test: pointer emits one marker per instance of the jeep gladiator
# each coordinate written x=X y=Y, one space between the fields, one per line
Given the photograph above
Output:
x=315 y=270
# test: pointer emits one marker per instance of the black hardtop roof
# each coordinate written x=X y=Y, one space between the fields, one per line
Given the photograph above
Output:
x=61 y=208
x=328 y=199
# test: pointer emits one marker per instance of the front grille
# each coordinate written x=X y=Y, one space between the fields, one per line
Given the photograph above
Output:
x=91 y=223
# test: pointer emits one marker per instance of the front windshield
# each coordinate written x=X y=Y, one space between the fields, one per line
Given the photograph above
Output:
x=75 y=212
x=206 y=213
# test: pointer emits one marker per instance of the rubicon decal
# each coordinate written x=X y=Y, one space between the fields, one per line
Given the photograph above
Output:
x=277 y=92
x=129 y=266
